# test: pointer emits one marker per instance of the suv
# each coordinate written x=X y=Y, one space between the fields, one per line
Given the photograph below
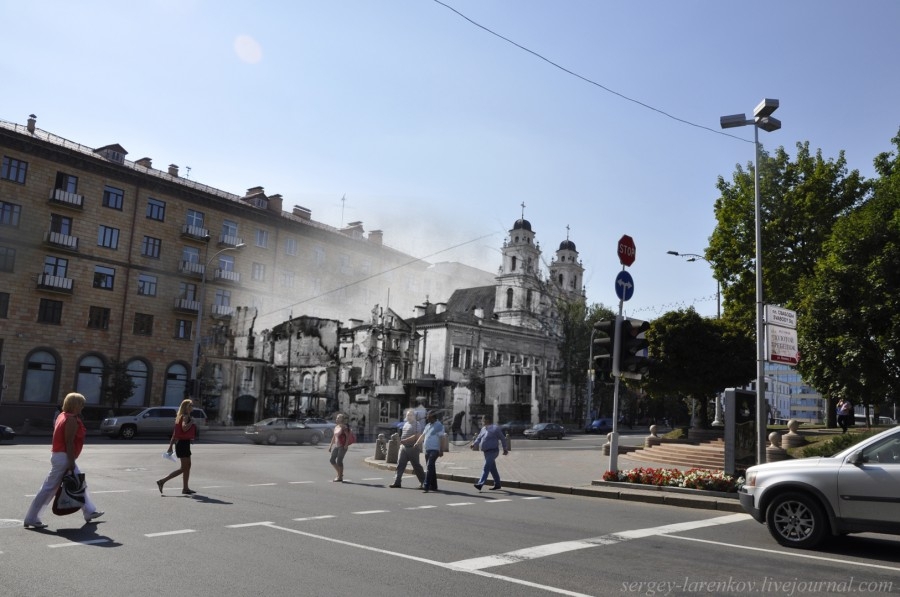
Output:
x=803 y=501
x=153 y=420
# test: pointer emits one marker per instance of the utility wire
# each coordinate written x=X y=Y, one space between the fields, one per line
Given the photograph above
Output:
x=590 y=81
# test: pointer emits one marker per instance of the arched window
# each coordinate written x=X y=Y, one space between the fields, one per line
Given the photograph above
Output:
x=40 y=377
x=137 y=371
x=176 y=385
x=307 y=386
x=90 y=379
x=509 y=298
x=560 y=280
x=513 y=264
x=528 y=299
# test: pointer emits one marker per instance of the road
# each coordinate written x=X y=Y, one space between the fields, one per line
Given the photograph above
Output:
x=268 y=520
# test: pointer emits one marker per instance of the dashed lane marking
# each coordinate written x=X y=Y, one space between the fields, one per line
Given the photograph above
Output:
x=325 y=517
x=169 y=533
x=361 y=512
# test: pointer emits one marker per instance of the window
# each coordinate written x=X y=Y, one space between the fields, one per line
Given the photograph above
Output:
x=226 y=263
x=528 y=299
x=229 y=228
x=258 y=272
x=4 y=305
x=90 y=379
x=345 y=264
x=194 y=218
x=513 y=264
x=60 y=224
x=9 y=213
x=262 y=238
x=7 y=259
x=104 y=277
x=190 y=255
x=113 y=197
x=108 y=237
x=223 y=298
x=456 y=358
x=187 y=291
x=40 y=377
x=248 y=373
x=146 y=285
x=138 y=372
x=150 y=247
x=66 y=182
x=319 y=255
x=13 y=170
x=50 y=311
x=183 y=329
x=290 y=246
x=143 y=324
x=156 y=209
x=509 y=298
x=287 y=279
x=98 y=318
x=55 y=266
x=468 y=358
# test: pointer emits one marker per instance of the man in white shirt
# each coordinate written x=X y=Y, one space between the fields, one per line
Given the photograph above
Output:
x=409 y=453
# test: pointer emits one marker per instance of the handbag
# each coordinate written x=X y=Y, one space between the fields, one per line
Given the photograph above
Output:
x=70 y=494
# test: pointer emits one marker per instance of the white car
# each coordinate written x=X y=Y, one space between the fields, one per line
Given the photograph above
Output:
x=804 y=501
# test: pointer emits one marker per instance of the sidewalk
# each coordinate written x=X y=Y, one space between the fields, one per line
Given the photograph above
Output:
x=558 y=470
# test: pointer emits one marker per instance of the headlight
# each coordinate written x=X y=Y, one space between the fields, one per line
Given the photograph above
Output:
x=751 y=480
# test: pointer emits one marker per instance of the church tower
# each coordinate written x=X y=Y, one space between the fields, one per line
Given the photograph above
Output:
x=567 y=272
x=519 y=298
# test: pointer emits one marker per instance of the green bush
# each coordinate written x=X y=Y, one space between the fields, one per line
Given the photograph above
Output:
x=835 y=444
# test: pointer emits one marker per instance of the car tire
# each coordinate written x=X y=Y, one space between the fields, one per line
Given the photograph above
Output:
x=272 y=439
x=128 y=432
x=796 y=520
x=315 y=439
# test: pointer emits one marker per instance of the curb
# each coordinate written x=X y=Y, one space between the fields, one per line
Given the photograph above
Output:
x=600 y=489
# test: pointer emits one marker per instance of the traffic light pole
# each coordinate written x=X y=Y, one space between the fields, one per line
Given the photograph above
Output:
x=614 y=435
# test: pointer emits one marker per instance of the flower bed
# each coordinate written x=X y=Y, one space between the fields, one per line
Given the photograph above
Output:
x=695 y=478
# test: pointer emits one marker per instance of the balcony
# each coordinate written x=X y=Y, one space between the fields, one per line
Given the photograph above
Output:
x=184 y=305
x=66 y=199
x=192 y=267
x=61 y=241
x=228 y=276
x=55 y=283
x=227 y=240
x=222 y=312
x=195 y=232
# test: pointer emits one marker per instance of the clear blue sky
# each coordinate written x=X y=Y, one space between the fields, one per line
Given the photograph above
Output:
x=436 y=130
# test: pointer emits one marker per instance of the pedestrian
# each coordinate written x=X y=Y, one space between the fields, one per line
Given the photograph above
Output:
x=489 y=440
x=843 y=414
x=185 y=430
x=66 y=446
x=338 y=446
x=456 y=427
x=409 y=452
x=430 y=441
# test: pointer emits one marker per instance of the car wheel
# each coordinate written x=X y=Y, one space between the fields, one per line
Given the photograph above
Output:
x=128 y=432
x=315 y=439
x=272 y=439
x=796 y=520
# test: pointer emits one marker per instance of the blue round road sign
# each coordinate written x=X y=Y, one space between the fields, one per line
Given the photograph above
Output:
x=624 y=285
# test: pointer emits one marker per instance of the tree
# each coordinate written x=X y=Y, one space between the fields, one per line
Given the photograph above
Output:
x=577 y=322
x=695 y=357
x=119 y=385
x=800 y=202
x=850 y=329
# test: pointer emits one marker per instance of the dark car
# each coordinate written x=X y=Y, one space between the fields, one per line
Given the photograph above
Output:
x=546 y=431
x=7 y=432
x=515 y=427
x=599 y=426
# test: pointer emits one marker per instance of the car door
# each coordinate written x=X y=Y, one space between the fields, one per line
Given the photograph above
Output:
x=159 y=420
x=870 y=490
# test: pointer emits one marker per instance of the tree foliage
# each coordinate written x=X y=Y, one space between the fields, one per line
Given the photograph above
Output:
x=119 y=385
x=577 y=322
x=695 y=357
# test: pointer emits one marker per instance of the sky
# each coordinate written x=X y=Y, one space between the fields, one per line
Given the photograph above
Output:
x=435 y=121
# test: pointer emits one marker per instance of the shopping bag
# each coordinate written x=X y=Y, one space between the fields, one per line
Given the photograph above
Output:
x=168 y=456
x=70 y=495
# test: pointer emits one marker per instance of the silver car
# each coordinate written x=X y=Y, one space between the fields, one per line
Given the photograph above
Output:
x=154 y=420
x=283 y=430
x=804 y=501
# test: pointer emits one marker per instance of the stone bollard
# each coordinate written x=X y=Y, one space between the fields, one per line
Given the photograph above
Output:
x=380 y=447
x=774 y=451
x=26 y=427
x=793 y=439
x=608 y=445
x=393 y=450
x=652 y=439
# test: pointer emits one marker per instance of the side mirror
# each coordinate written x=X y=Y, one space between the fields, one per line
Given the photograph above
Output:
x=856 y=459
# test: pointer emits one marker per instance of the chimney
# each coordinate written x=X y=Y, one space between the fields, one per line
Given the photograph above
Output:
x=376 y=237
x=355 y=323
x=144 y=163
x=31 y=120
x=275 y=203
x=173 y=170
x=440 y=308
x=302 y=212
x=479 y=313
x=420 y=310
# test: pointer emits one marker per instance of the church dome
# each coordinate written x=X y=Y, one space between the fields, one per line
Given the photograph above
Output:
x=567 y=245
x=522 y=224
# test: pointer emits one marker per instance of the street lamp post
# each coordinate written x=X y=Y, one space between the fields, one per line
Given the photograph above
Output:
x=695 y=257
x=762 y=119
x=195 y=363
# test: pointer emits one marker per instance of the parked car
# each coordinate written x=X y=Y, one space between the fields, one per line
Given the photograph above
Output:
x=515 y=427
x=153 y=420
x=599 y=426
x=283 y=430
x=546 y=431
x=7 y=432
x=804 y=501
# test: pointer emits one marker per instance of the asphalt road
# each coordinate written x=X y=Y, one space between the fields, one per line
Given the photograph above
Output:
x=268 y=520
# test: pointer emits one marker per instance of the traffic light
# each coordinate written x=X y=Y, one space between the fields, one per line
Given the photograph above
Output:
x=603 y=349
x=632 y=359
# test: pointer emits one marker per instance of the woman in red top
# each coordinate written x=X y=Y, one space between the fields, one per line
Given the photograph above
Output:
x=185 y=430
x=68 y=440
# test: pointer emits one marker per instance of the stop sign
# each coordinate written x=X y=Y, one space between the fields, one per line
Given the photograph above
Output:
x=626 y=250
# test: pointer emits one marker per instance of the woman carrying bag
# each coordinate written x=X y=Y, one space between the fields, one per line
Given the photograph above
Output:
x=185 y=431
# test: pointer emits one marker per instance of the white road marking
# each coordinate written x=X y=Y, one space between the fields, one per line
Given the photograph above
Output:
x=492 y=501
x=371 y=512
x=262 y=484
x=462 y=504
x=299 y=482
x=264 y=523
x=314 y=518
x=419 y=507
x=373 y=479
x=535 y=497
x=79 y=543
x=167 y=533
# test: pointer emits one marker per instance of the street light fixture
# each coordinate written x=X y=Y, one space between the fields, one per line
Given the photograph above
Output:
x=694 y=257
x=762 y=119
x=195 y=363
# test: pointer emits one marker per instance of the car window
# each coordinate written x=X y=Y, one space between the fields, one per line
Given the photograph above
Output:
x=886 y=451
